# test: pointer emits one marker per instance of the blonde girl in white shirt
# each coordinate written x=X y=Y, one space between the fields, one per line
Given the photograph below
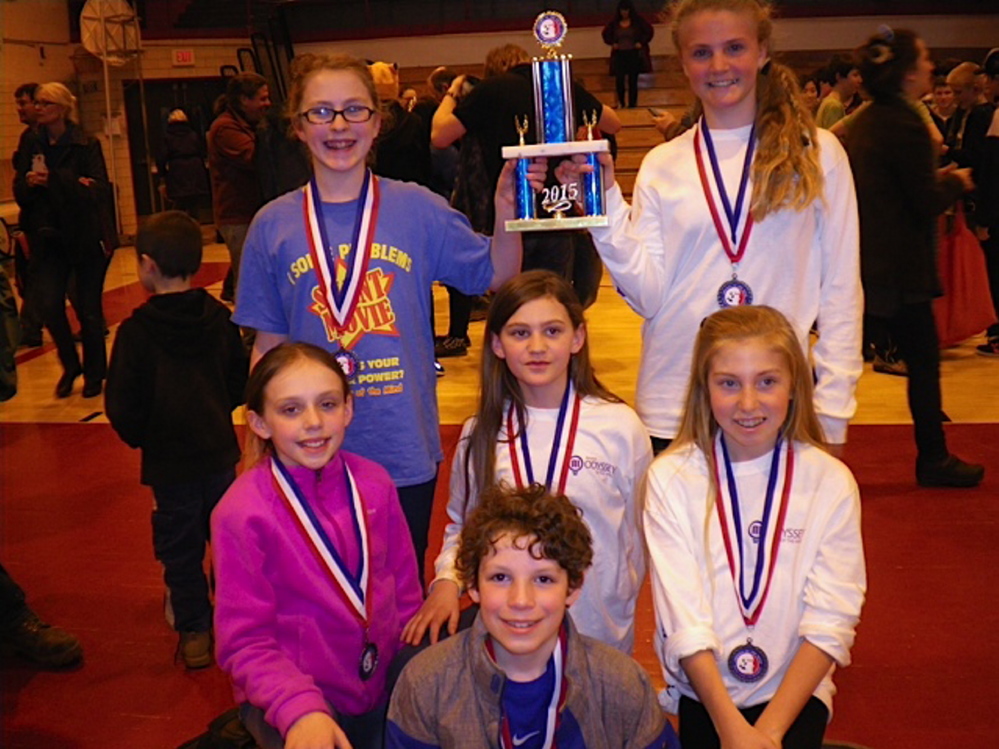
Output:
x=754 y=540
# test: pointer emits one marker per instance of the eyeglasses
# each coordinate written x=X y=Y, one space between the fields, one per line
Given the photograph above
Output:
x=325 y=115
x=40 y=103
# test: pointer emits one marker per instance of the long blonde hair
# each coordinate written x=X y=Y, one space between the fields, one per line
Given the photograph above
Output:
x=498 y=386
x=734 y=325
x=786 y=170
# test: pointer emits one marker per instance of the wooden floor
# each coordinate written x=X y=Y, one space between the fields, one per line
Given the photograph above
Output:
x=122 y=623
x=970 y=382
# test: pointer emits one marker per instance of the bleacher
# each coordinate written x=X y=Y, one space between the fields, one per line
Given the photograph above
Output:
x=665 y=88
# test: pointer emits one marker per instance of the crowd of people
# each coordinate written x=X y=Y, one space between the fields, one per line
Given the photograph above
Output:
x=775 y=235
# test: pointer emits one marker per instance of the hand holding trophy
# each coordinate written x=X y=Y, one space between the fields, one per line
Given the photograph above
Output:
x=556 y=129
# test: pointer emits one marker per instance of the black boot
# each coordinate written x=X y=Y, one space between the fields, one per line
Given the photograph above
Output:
x=42 y=643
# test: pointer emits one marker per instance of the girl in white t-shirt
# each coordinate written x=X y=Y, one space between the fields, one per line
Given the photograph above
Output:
x=754 y=537
x=752 y=205
x=543 y=417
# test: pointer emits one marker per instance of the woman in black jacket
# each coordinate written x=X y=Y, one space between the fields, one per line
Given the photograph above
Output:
x=628 y=36
x=900 y=195
x=61 y=185
x=183 y=164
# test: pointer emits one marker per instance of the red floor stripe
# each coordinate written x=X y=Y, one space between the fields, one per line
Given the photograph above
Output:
x=76 y=536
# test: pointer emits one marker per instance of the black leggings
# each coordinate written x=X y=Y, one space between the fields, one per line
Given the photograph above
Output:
x=914 y=333
x=417 y=505
x=698 y=732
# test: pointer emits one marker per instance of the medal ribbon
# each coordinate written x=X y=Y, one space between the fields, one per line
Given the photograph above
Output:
x=735 y=215
x=353 y=586
x=559 y=694
x=520 y=449
x=342 y=300
x=771 y=528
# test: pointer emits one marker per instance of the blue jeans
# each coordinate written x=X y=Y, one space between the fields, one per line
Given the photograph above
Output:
x=180 y=534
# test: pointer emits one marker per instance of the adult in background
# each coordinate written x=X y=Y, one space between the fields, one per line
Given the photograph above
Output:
x=61 y=185
x=31 y=319
x=628 y=36
x=443 y=161
x=988 y=204
x=900 y=194
x=843 y=79
x=401 y=150
x=810 y=93
x=183 y=164
x=232 y=143
x=943 y=106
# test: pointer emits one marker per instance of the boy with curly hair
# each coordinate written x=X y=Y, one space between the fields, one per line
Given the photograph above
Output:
x=522 y=676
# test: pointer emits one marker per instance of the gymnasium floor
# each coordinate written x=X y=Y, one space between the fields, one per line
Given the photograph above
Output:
x=74 y=530
x=970 y=393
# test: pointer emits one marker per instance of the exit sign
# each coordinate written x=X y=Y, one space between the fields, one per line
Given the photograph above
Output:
x=183 y=58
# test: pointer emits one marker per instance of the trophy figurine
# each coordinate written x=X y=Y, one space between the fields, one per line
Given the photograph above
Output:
x=556 y=129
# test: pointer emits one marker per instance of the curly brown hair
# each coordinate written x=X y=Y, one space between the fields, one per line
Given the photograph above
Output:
x=553 y=525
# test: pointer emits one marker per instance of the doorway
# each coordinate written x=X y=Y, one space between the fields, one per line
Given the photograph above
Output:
x=196 y=96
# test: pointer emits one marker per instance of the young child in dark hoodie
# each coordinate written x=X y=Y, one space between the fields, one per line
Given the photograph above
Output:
x=178 y=369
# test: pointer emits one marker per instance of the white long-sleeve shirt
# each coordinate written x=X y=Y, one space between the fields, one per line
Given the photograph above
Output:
x=610 y=457
x=668 y=263
x=818 y=585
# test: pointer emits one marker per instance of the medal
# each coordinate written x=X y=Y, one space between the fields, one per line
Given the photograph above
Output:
x=369 y=661
x=560 y=458
x=748 y=662
x=347 y=362
x=559 y=694
x=353 y=586
x=341 y=279
x=734 y=292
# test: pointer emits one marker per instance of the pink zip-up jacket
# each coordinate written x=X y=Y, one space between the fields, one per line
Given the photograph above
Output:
x=285 y=633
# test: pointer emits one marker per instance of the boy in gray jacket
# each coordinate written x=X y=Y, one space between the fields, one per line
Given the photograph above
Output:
x=522 y=676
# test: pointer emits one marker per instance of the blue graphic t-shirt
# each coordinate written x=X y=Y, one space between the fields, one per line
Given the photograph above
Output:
x=388 y=343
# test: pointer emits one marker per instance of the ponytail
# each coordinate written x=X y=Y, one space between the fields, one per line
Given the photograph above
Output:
x=786 y=169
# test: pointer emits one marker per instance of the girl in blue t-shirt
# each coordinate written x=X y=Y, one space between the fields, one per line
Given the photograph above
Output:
x=348 y=262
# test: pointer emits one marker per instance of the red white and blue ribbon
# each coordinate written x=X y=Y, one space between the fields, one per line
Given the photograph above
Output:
x=342 y=298
x=559 y=694
x=771 y=526
x=734 y=248
x=352 y=584
x=562 y=444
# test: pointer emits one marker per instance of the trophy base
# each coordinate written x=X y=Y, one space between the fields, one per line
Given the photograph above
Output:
x=553 y=224
x=556 y=149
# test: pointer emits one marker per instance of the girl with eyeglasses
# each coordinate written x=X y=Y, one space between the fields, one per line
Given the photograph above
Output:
x=347 y=263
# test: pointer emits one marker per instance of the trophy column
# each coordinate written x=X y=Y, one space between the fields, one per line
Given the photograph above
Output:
x=556 y=130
